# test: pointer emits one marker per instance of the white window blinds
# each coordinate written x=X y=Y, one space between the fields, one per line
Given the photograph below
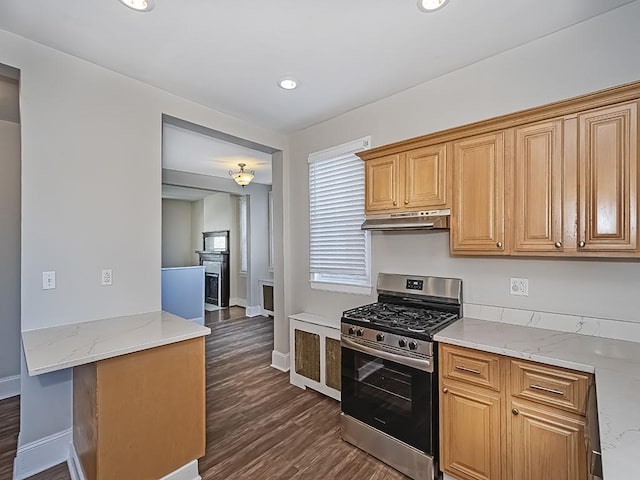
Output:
x=339 y=249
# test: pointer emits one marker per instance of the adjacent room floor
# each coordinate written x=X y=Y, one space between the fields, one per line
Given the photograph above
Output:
x=258 y=425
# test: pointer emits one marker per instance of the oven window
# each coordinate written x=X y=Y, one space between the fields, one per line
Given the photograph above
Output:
x=384 y=384
x=390 y=397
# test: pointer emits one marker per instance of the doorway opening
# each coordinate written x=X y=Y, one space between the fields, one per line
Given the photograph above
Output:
x=201 y=202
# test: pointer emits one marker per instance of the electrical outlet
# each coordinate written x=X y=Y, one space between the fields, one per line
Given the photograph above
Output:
x=519 y=286
x=107 y=278
x=48 y=280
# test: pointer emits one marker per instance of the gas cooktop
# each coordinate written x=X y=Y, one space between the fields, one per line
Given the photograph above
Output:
x=400 y=319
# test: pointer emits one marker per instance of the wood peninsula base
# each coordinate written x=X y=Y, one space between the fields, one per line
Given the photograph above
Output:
x=141 y=415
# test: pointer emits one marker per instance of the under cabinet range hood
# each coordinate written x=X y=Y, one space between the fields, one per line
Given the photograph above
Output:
x=423 y=220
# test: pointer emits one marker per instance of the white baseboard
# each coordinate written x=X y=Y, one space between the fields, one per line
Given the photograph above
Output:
x=209 y=307
x=280 y=361
x=75 y=467
x=38 y=456
x=240 y=302
x=253 y=310
x=9 y=387
x=186 y=472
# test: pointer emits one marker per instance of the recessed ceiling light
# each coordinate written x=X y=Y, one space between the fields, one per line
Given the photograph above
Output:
x=138 y=5
x=288 y=83
x=431 y=5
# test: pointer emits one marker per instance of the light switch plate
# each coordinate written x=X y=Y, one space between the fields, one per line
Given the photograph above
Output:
x=519 y=286
x=107 y=278
x=48 y=280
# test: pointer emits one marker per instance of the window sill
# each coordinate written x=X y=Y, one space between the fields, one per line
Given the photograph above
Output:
x=341 y=288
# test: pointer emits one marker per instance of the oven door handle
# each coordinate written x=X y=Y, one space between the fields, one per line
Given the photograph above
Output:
x=423 y=364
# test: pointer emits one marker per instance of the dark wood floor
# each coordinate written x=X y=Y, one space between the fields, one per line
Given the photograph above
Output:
x=259 y=426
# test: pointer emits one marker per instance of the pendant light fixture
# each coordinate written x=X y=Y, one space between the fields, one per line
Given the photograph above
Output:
x=138 y=5
x=431 y=5
x=243 y=177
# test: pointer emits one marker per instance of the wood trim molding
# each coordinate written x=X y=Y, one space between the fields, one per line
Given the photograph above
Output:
x=280 y=361
x=38 y=456
x=9 y=387
x=572 y=106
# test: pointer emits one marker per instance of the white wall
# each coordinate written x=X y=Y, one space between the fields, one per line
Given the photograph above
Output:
x=593 y=55
x=176 y=233
x=217 y=212
x=95 y=135
x=9 y=246
x=197 y=227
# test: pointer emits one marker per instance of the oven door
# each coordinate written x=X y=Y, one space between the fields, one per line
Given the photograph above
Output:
x=389 y=395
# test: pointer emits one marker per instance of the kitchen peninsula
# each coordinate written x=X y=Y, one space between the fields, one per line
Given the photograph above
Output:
x=138 y=392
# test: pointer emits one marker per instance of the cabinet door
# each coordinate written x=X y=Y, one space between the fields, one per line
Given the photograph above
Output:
x=537 y=183
x=426 y=178
x=477 y=216
x=307 y=350
x=470 y=435
x=383 y=184
x=546 y=443
x=608 y=170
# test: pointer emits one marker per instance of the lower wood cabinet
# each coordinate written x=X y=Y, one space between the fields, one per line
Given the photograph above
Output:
x=315 y=352
x=546 y=443
x=471 y=431
x=530 y=425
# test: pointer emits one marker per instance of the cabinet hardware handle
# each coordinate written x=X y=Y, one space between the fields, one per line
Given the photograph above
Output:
x=445 y=390
x=406 y=202
x=545 y=389
x=515 y=411
x=465 y=369
x=499 y=244
x=581 y=244
x=558 y=244
x=395 y=203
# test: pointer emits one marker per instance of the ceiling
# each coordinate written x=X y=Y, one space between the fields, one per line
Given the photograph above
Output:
x=229 y=54
x=189 y=151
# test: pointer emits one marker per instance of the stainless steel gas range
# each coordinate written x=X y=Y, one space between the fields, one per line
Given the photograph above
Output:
x=389 y=371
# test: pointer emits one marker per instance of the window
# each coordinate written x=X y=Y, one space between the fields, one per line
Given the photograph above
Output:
x=339 y=251
x=242 y=213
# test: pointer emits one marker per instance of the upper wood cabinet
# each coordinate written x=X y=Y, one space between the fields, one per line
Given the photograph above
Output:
x=477 y=213
x=413 y=180
x=537 y=183
x=383 y=184
x=608 y=179
x=557 y=180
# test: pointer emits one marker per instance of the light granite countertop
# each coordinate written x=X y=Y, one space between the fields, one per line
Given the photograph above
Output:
x=56 y=348
x=615 y=363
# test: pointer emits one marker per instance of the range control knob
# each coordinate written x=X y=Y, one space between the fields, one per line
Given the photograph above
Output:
x=402 y=342
x=380 y=337
x=413 y=345
x=352 y=331
x=360 y=332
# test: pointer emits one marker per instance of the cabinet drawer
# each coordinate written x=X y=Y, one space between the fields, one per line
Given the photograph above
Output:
x=552 y=386
x=470 y=366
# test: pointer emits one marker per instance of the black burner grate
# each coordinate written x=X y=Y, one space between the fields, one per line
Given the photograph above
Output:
x=400 y=318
